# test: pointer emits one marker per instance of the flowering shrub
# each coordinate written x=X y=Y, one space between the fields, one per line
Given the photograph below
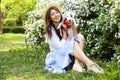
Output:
x=116 y=57
x=98 y=27
x=116 y=20
x=34 y=27
x=98 y=22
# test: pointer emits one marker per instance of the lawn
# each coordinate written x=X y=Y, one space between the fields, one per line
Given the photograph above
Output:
x=20 y=63
x=11 y=41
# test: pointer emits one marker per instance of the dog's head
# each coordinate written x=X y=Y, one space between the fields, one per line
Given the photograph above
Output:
x=69 y=16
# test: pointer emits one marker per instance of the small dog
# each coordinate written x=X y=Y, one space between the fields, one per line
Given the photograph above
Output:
x=67 y=18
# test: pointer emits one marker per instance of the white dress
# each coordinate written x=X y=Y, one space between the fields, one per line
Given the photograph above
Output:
x=58 y=58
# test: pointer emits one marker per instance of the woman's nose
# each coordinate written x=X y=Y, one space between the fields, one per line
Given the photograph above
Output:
x=56 y=14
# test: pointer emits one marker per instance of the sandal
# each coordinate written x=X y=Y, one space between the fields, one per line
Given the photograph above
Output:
x=96 y=68
x=78 y=68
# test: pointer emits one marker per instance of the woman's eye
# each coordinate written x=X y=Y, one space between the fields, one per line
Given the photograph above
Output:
x=52 y=14
x=57 y=12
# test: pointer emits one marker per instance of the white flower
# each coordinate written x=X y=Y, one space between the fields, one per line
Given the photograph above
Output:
x=119 y=61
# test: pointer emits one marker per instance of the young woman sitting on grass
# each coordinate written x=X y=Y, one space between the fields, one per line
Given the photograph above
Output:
x=62 y=46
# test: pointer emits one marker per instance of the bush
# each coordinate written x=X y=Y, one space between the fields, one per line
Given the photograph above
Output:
x=6 y=30
x=18 y=30
x=116 y=57
x=98 y=22
x=35 y=27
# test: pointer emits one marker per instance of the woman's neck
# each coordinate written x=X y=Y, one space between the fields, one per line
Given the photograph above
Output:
x=56 y=24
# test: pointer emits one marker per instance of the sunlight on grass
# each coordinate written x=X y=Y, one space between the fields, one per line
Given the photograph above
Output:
x=15 y=78
x=11 y=41
x=25 y=78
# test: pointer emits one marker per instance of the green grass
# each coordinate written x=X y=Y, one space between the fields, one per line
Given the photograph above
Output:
x=11 y=41
x=18 y=63
x=28 y=64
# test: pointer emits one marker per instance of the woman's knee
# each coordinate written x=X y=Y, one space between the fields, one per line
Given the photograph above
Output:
x=80 y=36
x=76 y=47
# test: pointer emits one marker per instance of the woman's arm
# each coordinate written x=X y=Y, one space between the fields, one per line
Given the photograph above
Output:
x=64 y=36
x=54 y=41
x=74 y=28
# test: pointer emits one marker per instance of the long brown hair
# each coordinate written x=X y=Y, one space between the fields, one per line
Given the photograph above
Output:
x=48 y=21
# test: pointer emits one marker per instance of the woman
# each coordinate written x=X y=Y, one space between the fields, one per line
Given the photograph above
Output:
x=62 y=46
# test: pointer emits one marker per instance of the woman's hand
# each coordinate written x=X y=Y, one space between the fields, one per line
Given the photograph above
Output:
x=64 y=27
x=74 y=28
x=72 y=25
x=64 y=35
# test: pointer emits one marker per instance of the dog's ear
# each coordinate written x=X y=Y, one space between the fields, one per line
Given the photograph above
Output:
x=73 y=13
x=65 y=13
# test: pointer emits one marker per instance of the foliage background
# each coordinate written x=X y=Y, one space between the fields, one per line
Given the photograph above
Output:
x=15 y=11
x=98 y=22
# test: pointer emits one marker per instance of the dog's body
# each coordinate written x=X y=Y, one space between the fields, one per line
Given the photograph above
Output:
x=67 y=18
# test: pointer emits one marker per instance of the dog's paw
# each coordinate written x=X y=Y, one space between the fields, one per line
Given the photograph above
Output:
x=76 y=25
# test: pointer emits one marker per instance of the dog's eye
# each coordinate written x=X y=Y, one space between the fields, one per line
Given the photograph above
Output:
x=70 y=15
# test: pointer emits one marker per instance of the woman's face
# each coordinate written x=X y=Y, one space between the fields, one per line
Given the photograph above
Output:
x=55 y=16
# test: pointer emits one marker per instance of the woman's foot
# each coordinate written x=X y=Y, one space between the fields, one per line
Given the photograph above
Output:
x=96 y=68
x=78 y=67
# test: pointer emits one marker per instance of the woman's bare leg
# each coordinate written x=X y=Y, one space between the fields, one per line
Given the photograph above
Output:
x=81 y=45
x=81 y=41
x=79 y=54
x=78 y=66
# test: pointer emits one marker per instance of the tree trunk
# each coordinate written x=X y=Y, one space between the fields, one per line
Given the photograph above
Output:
x=1 y=24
